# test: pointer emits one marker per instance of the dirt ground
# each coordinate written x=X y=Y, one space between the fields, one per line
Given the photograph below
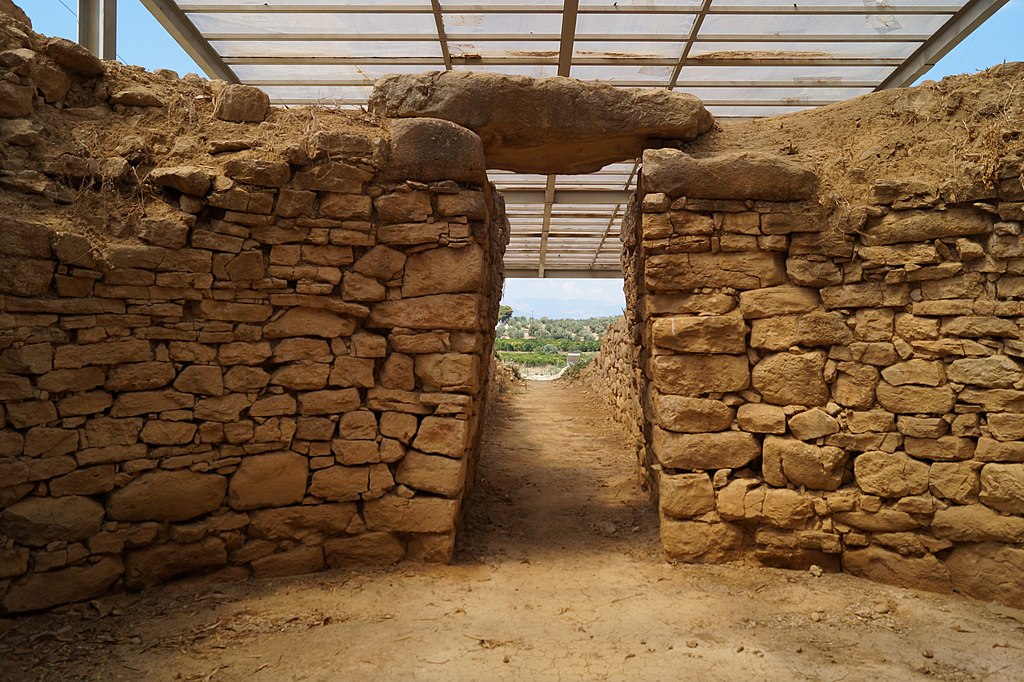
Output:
x=558 y=577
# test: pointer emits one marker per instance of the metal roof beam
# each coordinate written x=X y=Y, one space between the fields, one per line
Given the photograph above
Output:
x=760 y=84
x=553 y=60
x=568 y=37
x=549 y=198
x=191 y=40
x=97 y=27
x=517 y=273
x=566 y=196
x=973 y=14
x=552 y=37
x=823 y=10
x=441 y=37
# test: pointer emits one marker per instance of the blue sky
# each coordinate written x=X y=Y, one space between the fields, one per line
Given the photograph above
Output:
x=141 y=40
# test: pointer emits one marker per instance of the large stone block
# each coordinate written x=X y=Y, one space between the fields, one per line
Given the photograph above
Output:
x=543 y=125
x=697 y=374
x=691 y=415
x=444 y=271
x=298 y=561
x=415 y=515
x=799 y=463
x=998 y=371
x=167 y=496
x=107 y=353
x=782 y=300
x=731 y=175
x=875 y=563
x=792 y=379
x=915 y=399
x=811 y=329
x=684 y=496
x=448 y=371
x=688 y=271
x=977 y=523
x=340 y=483
x=890 y=474
x=159 y=563
x=456 y=312
x=915 y=372
x=38 y=521
x=988 y=571
x=269 y=481
x=923 y=226
x=701 y=543
x=366 y=549
x=316 y=322
x=723 y=450
x=77 y=583
x=443 y=436
x=297 y=523
x=1002 y=487
x=707 y=334
x=432 y=473
x=955 y=481
x=242 y=104
x=430 y=149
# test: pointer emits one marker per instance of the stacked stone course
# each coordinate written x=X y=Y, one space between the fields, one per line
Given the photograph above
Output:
x=839 y=387
x=279 y=368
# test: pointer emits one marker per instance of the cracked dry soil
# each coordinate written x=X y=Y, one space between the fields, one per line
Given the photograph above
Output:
x=558 y=576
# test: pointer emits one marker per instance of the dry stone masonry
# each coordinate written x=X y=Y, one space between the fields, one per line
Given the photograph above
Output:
x=233 y=339
x=833 y=386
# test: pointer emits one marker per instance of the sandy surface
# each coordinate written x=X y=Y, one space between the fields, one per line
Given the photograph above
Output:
x=558 y=577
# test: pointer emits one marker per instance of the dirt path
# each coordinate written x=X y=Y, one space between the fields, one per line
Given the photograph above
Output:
x=558 y=577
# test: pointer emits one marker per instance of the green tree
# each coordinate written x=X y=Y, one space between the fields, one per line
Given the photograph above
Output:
x=504 y=313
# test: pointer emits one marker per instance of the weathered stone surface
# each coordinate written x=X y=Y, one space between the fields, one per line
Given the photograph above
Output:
x=875 y=563
x=415 y=515
x=707 y=334
x=309 y=322
x=697 y=374
x=430 y=149
x=242 y=104
x=340 y=483
x=1006 y=427
x=77 y=583
x=684 y=496
x=381 y=262
x=136 y=96
x=37 y=521
x=731 y=175
x=444 y=271
x=945 y=448
x=150 y=402
x=441 y=311
x=269 y=481
x=998 y=371
x=159 y=432
x=296 y=523
x=73 y=57
x=977 y=523
x=107 y=353
x=329 y=401
x=298 y=561
x=366 y=549
x=792 y=461
x=812 y=424
x=443 y=436
x=691 y=415
x=792 y=379
x=703 y=543
x=915 y=399
x=817 y=328
x=723 y=450
x=167 y=496
x=1002 y=487
x=84 y=481
x=448 y=371
x=919 y=226
x=432 y=473
x=955 y=481
x=890 y=474
x=988 y=571
x=186 y=179
x=918 y=372
x=159 y=563
x=545 y=125
x=739 y=270
x=781 y=300
x=761 y=418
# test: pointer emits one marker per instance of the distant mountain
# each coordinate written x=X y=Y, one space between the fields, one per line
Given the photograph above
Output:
x=564 y=309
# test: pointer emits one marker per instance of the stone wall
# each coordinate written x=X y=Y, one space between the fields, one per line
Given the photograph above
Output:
x=233 y=340
x=833 y=384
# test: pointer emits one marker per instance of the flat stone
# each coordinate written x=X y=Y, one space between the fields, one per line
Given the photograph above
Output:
x=998 y=371
x=448 y=372
x=415 y=515
x=697 y=542
x=432 y=473
x=890 y=474
x=792 y=379
x=723 y=450
x=812 y=424
x=915 y=399
x=917 y=372
x=340 y=483
x=781 y=300
x=730 y=175
x=442 y=435
x=700 y=334
x=688 y=271
x=77 y=583
x=875 y=563
x=316 y=322
x=365 y=549
x=242 y=104
x=296 y=523
x=273 y=480
x=167 y=496
x=988 y=571
x=185 y=179
x=691 y=415
x=159 y=563
x=761 y=418
x=787 y=460
x=697 y=374
x=444 y=271
x=73 y=57
x=37 y=521
x=456 y=312
x=922 y=226
x=977 y=523
x=1002 y=487
x=817 y=328
x=955 y=481
x=544 y=125
x=684 y=496
x=298 y=561
x=136 y=97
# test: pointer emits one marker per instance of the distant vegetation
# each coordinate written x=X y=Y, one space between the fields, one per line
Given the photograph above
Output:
x=545 y=342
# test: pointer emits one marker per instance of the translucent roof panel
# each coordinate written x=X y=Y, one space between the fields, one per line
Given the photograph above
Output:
x=743 y=58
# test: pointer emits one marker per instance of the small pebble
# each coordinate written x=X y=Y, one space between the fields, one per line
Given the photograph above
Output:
x=691 y=643
x=881 y=608
x=815 y=570
x=927 y=653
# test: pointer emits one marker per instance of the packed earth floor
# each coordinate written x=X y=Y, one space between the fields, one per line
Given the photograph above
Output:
x=558 y=576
